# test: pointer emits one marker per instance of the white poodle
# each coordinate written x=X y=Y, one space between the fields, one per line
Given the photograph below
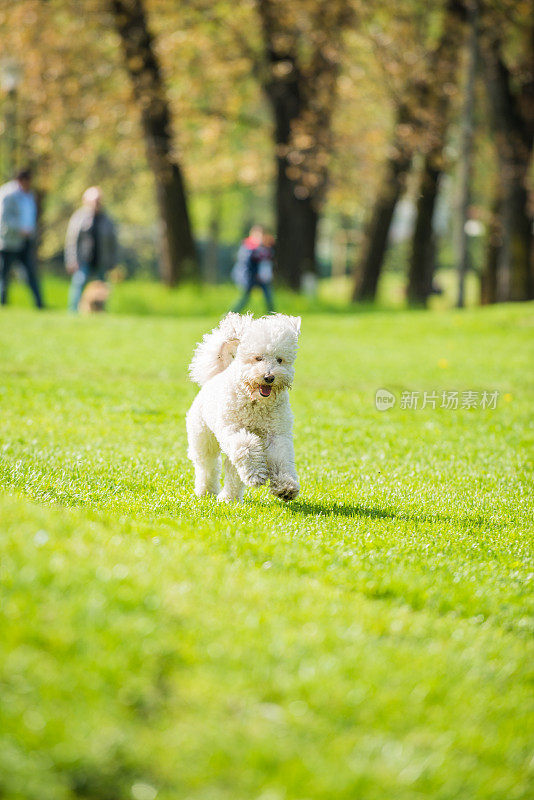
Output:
x=245 y=368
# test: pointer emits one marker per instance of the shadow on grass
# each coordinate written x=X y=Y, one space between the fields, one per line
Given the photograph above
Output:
x=358 y=511
x=338 y=510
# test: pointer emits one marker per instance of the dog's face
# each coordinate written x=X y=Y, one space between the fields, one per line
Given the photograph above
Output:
x=266 y=355
x=94 y=297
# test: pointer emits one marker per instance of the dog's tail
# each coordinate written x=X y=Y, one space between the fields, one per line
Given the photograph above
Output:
x=217 y=349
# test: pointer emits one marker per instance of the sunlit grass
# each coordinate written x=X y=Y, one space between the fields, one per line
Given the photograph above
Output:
x=143 y=297
x=370 y=640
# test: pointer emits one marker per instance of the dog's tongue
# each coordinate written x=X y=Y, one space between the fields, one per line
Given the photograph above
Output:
x=265 y=391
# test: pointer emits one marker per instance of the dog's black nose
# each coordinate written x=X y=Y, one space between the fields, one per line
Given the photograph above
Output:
x=268 y=378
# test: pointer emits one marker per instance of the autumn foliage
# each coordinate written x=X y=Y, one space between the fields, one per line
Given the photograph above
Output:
x=315 y=115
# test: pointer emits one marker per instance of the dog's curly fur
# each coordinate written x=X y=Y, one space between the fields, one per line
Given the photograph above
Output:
x=245 y=367
x=94 y=298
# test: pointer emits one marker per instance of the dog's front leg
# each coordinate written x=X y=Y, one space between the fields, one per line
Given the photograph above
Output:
x=280 y=456
x=245 y=451
x=232 y=491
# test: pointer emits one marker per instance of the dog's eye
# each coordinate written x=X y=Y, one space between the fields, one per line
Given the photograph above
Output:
x=279 y=360
x=259 y=358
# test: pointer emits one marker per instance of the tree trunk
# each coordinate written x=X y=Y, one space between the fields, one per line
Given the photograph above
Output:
x=513 y=131
x=466 y=159
x=421 y=268
x=179 y=256
x=296 y=217
x=296 y=230
x=423 y=95
x=40 y=201
x=488 y=280
x=211 y=258
x=514 y=266
x=376 y=234
x=443 y=76
x=302 y=97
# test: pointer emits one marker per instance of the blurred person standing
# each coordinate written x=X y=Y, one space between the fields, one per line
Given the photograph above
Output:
x=254 y=266
x=90 y=245
x=18 y=229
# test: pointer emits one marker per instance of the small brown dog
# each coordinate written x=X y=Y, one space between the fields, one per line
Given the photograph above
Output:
x=94 y=298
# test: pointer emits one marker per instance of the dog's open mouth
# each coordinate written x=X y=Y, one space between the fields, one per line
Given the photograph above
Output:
x=265 y=391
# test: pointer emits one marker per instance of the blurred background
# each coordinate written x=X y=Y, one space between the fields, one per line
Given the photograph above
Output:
x=387 y=145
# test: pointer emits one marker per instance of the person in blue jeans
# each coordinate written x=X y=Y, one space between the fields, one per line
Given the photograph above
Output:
x=18 y=227
x=254 y=267
x=90 y=246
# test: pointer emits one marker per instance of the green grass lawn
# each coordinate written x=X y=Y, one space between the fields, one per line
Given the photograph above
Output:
x=371 y=640
x=149 y=298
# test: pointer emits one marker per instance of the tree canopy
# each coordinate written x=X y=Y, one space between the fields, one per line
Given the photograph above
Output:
x=228 y=71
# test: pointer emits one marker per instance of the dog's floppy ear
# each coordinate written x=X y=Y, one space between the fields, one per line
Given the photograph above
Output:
x=231 y=329
x=218 y=348
x=233 y=325
x=295 y=324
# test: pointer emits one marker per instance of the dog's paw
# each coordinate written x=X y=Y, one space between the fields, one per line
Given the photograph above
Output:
x=285 y=487
x=204 y=491
x=224 y=497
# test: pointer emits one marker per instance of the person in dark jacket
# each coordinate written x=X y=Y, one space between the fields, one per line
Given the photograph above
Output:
x=90 y=245
x=254 y=267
